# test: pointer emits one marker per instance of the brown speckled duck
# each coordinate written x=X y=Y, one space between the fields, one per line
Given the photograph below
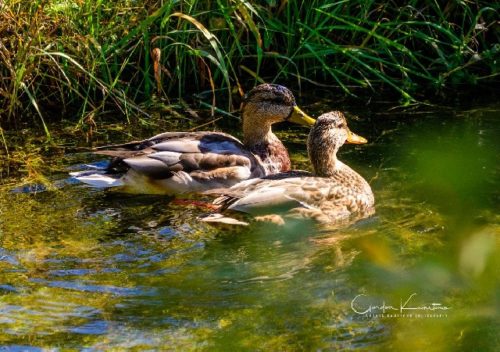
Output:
x=178 y=162
x=334 y=194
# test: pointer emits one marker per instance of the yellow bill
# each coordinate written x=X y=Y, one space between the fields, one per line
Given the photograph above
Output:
x=301 y=118
x=355 y=139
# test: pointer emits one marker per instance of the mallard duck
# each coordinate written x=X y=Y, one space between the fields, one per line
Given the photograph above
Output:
x=335 y=193
x=178 y=162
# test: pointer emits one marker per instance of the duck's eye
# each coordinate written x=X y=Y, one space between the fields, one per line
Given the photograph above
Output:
x=341 y=125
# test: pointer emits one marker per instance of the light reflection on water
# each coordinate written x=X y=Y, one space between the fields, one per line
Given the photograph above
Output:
x=95 y=270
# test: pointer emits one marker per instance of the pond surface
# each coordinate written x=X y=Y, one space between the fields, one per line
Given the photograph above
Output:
x=91 y=270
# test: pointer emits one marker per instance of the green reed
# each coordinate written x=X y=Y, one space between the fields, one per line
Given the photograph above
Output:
x=84 y=59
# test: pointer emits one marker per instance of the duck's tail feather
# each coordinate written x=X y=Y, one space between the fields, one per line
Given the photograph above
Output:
x=97 y=178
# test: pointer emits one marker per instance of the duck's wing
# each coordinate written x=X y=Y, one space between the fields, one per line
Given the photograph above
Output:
x=276 y=194
x=202 y=155
x=175 y=141
x=334 y=199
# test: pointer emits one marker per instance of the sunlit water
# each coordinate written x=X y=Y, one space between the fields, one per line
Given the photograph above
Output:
x=93 y=270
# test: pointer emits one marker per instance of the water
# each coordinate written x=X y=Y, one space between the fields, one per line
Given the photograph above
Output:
x=92 y=270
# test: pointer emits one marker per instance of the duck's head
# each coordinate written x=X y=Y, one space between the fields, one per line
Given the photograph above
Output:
x=267 y=104
x=328 y=134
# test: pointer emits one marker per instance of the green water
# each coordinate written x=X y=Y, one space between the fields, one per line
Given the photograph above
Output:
x=90 y=270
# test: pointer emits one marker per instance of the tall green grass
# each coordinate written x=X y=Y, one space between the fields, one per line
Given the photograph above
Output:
x=82 y=59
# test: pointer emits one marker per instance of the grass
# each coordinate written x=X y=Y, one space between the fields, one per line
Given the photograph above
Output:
x=83 y=59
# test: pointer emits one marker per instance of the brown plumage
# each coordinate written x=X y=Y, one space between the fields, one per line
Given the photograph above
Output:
x=334 y=194
x=177 y=162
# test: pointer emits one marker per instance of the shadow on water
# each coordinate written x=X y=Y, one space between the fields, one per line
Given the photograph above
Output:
x=84 y=268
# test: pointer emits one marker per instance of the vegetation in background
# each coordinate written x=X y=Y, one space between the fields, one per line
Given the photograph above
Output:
x=84 y=59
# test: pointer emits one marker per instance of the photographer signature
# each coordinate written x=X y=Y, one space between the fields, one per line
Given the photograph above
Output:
x=360 y=307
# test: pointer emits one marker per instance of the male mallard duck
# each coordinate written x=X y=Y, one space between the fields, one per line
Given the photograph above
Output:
x=334 y=194
x=178 y=162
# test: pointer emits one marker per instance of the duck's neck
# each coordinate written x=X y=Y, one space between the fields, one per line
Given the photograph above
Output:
x=325 y=162
x=260 y=140
x=255 y=133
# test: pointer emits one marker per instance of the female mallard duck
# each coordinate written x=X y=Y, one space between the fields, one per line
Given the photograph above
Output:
x=178 y=162
x=335 y=194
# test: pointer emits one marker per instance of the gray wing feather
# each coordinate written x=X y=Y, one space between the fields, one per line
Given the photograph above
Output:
x=160 y=156
x=149 y=166
x=183 y=145
x=169 y=158
x=262 y=200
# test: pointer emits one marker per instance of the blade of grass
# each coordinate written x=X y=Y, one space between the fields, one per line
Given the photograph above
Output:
x=214 y=43
x=35 y=105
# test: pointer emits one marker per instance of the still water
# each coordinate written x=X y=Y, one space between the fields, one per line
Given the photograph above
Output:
x=90 y=270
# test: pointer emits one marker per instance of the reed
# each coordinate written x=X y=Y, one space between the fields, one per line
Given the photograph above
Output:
x=83 y=59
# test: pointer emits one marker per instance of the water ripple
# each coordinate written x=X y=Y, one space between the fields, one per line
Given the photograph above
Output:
x=85 y=287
